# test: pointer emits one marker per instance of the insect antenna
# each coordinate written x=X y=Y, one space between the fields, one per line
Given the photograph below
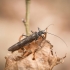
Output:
x=55 y=35
x=48 y=26
x=58 y=37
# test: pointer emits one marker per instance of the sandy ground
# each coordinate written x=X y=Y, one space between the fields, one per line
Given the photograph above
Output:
x=42 y=14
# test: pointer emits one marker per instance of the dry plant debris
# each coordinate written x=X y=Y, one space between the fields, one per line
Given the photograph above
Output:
x=45 y=59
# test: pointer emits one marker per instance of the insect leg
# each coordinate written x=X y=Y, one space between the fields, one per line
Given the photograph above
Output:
x=21 y=37
x=36 y=44
x=26 y=53
x=39 y=29
x=33 y=55
x=21 y=49
x=45 y=35
x=32 y=31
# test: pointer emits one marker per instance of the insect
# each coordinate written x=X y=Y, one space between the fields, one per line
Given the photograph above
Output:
x=27 y=40
x=29 y=44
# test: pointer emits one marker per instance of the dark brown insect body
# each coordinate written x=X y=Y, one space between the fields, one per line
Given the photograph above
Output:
x=26 y=40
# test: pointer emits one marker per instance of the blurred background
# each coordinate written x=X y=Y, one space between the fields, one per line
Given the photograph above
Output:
x=42 y=14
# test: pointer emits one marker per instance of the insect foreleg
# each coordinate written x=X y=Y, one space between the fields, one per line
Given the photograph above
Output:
x=45 y=35
x=39 y=29
x=32 y=31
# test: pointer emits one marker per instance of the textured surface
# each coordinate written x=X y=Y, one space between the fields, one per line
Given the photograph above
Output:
x=45 y=59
